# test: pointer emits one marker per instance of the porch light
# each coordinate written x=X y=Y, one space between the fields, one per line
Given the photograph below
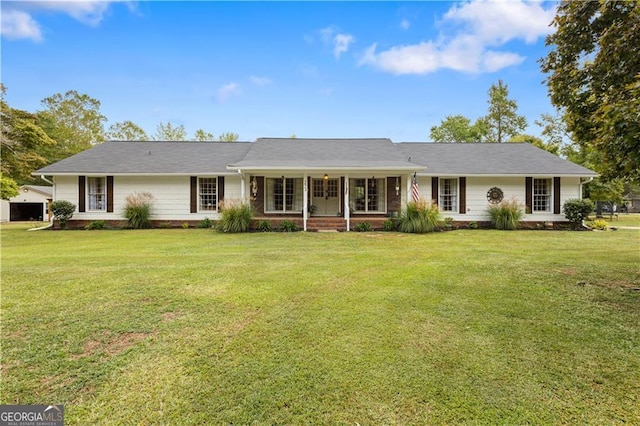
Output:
x=397 y=185
x=326 y=177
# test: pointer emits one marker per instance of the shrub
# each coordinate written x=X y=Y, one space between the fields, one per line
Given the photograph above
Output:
x=576 y=210
x=448 y=222
x=235 y=216
x=288 y=226
x=506 y=215
x=599 y=224
x=185 y=225
x=137 y=210
x=62 y=211
x=388 y=225
x=473 y=225
x=363 y=227
x=96 y=224
x=205 y=223
x=265 y=226
x=418 y=217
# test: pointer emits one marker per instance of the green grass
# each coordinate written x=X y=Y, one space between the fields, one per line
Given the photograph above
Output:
x=190 y=326
x=623 y=219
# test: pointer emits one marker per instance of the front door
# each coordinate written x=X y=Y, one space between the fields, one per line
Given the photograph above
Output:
x=325 y=197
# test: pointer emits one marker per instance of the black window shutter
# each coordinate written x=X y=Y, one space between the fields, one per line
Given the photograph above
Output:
x=463 y=195
x=194 y=194
x=220 y=189
x=82 y=193
x=528 y=194
x=556 y=195
x=109 y=194
x=434 y=190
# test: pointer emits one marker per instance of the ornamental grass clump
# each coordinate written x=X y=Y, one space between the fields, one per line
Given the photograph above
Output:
x=137 y=210
x=419 y=217
x=506 y=215
x=235 y=216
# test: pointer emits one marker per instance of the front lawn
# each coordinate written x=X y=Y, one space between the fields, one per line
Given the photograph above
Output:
x=193 y=327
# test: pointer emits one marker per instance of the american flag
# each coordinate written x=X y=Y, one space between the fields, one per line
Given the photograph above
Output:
x=415 y=190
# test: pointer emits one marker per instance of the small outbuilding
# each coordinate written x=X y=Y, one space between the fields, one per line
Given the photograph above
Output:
x=32 y=203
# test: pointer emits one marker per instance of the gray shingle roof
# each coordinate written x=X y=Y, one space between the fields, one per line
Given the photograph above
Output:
x=287 y=153
x=460 y=159
x=151 y=158
x=189 y=158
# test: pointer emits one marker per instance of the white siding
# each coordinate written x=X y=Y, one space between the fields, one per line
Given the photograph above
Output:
x=171 y=196
x=512 y=187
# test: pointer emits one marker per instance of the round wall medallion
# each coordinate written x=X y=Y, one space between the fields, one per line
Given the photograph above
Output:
x=495 y=195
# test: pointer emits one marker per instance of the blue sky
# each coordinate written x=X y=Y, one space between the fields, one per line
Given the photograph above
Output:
x=313 y=69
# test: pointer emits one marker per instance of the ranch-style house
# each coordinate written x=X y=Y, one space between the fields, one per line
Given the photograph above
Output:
x=316 y=183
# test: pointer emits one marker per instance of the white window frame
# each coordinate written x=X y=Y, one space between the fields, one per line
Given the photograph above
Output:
x=542 y=196
x=453 y=195
x=381 y=198
x=202 y=207
x=296 y=195
x=96 y=195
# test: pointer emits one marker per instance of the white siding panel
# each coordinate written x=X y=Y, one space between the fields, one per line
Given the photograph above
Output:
x=171 y=196
x=512 y=187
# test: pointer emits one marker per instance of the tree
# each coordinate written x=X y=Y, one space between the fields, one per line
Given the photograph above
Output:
x=203 y=136
x=169 y=132
x=535 y=141
x=229 y=137
x=554 y=130
x=74 y=121
x=126 y=131
x=8 y=188
x=602 y=191
x=20 y=140
x=593 y=70
x=458 y=128
x=503 y=120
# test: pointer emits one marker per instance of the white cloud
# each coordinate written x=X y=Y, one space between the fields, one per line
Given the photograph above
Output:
x=469 y=42
x=19 y=22
x=260 y=81
x=339 y=41
x=501 y=21
x=228 y=90
x=405 y=24
x=16 y=24
x=341 y=44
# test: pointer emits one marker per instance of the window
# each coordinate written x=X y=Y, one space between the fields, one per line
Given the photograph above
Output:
x=448 y=201
x=367 y=195
x=542 y=195
x=207 y=194
x=283 y=195
x=97 y=193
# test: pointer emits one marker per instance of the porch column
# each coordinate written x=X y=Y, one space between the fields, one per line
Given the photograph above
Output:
x=305 y=202
x=242 y=185
x=409 y=196
x=347 y=213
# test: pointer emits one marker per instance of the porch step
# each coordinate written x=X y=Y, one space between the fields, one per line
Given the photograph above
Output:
x=326 y=224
